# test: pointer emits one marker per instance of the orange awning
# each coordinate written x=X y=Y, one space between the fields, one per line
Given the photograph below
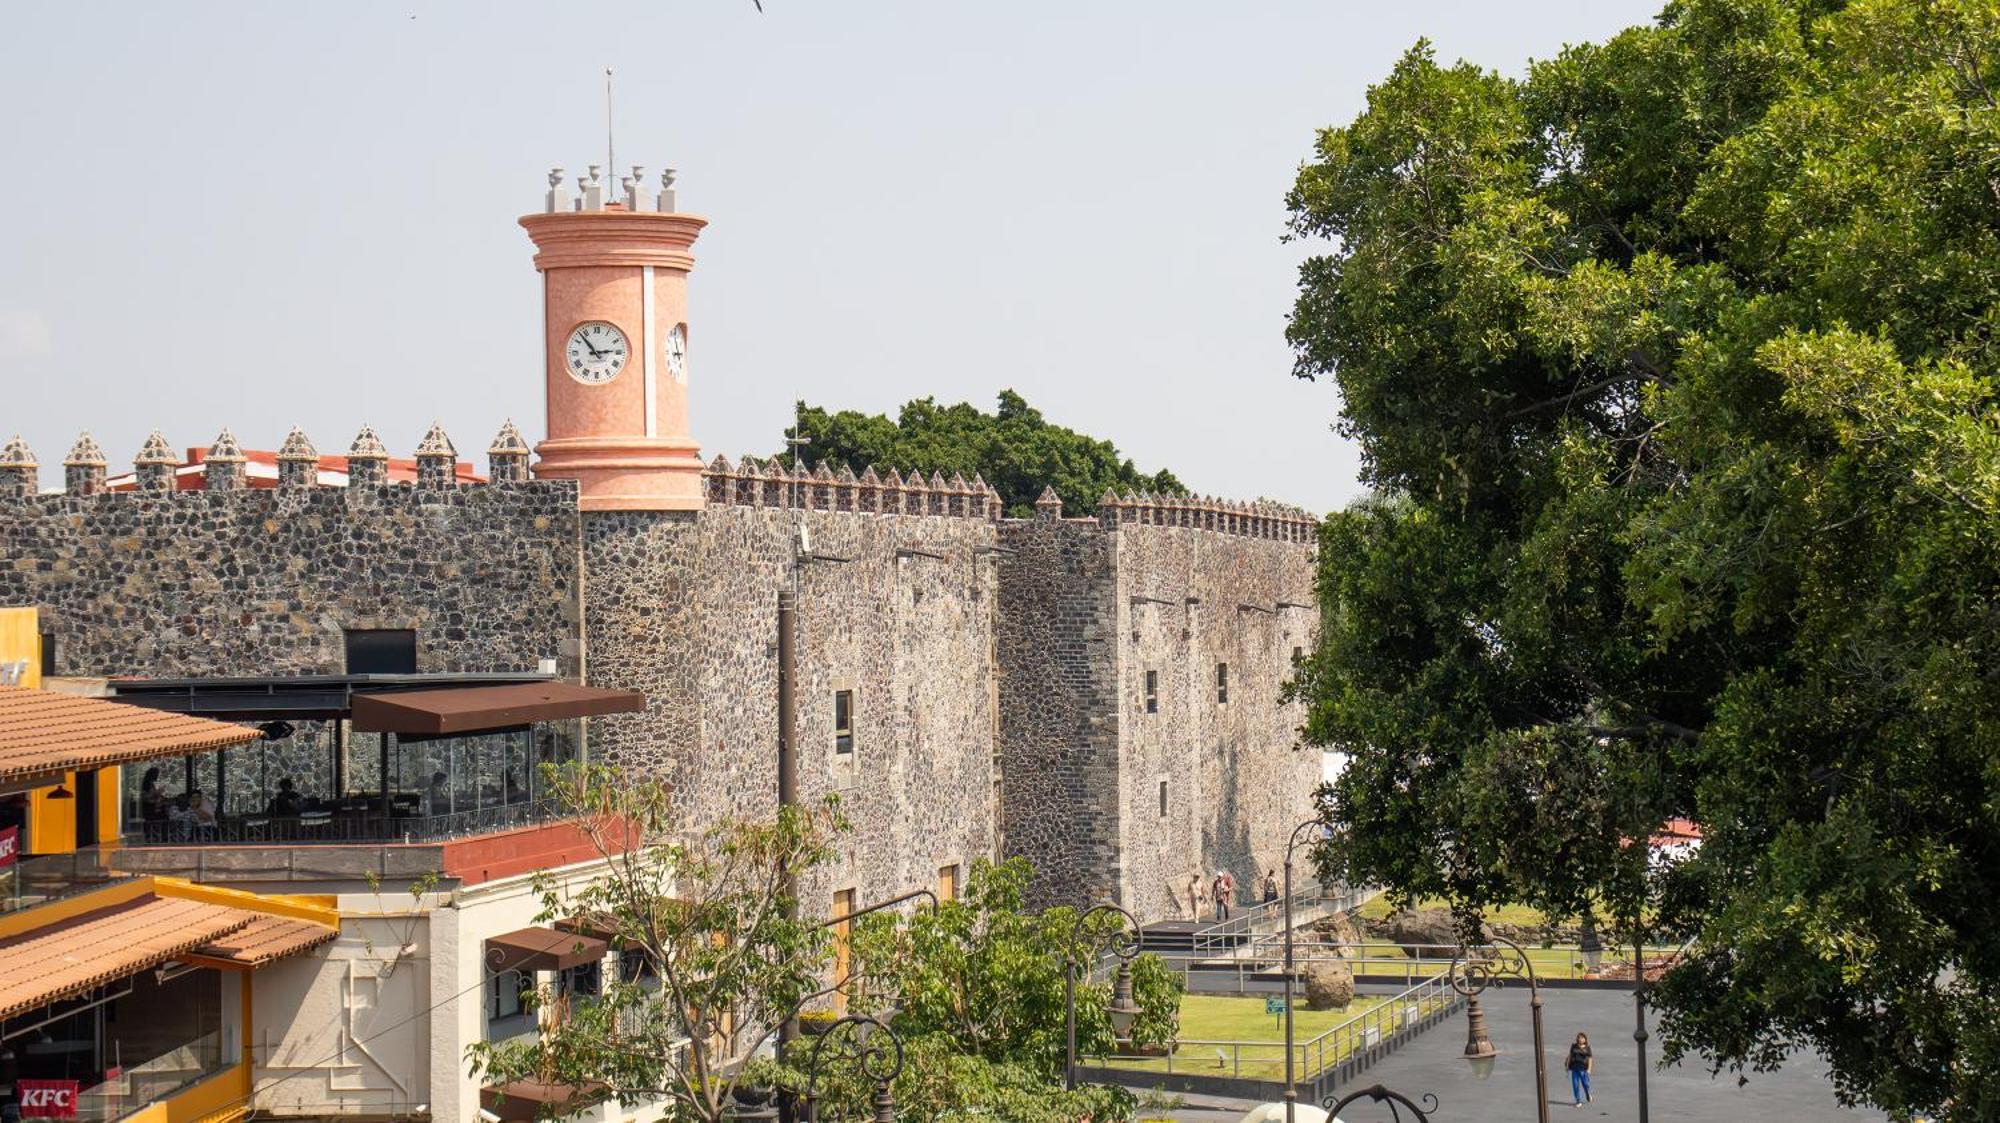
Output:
x=267 y=938
x=69 y=957
x=44 y=734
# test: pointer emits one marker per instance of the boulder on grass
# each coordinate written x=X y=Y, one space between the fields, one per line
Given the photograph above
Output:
x=1329 y=985
x=1339 y=929
x=1423 y=933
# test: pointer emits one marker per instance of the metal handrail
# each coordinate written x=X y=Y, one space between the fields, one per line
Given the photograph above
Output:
x=1339 y=1042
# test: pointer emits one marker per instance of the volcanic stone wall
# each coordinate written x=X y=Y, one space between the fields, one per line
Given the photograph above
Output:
x=1087 y=609
x=1057 y=637
x=685 y=608
x=262 y=582
x=1237 y=779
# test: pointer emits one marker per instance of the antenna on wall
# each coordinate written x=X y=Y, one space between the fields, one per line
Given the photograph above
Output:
x=610 y=144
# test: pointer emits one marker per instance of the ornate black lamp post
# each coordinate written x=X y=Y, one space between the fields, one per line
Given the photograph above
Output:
x=1639 y=1013
x=1397 y=1101
x=1472 y=971
x=857 y=1041
x=1291 y=1080
x=1122 y=1010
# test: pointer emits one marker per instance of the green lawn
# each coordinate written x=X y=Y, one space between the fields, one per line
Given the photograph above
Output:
x=1211 y=1018
x=1379 y=907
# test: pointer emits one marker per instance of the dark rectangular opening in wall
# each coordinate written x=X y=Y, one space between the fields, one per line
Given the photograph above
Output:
x=1221 y=684
x=381 y=651
x=48 y=655
x=1163 y=799
x=843 y=721
x=1152 y=692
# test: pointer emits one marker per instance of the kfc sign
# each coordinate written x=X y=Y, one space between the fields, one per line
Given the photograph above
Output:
x=10 y=846
x=47 y=1099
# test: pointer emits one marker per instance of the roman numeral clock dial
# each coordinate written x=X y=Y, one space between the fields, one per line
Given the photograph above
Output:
x=596 y=352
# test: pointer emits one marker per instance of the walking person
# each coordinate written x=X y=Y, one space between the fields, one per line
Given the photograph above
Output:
x=1194 y=896
x=1219 y=892
x=1580 y=1062
x=1270 y=886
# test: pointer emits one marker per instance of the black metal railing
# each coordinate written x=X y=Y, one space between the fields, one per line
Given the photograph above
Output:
x=342 y=825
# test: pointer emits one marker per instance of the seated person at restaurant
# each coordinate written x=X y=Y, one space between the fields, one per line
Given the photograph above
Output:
x=202 y=810
x=437 y=799
x=152 y=797
x=288 y=801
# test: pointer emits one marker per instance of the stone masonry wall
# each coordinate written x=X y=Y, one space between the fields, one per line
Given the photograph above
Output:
x=685 y=608
x=260 y=582
x=1237 y=778
x=1059 y=713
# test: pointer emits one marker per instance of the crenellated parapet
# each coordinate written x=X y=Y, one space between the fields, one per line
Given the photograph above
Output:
x=224 y=466
x=1253 y=519
x=758 y=482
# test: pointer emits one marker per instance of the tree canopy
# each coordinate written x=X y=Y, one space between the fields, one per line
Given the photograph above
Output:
x=1674 y=365
x=1014 y=448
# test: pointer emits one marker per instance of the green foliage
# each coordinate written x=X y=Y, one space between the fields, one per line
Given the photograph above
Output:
x=941 y=1084
x=983 y=973
x=723 y=962
x=1017 y=451
x=1674 y=365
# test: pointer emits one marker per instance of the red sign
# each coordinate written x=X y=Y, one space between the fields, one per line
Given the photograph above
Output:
x=10 y=846
x=47 y=1099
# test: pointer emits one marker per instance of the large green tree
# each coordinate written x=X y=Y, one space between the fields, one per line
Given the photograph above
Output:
x=1674 y=367
x=1014 y=447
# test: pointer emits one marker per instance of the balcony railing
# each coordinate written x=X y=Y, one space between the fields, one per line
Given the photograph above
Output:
x=42 y=878
x=345 y=825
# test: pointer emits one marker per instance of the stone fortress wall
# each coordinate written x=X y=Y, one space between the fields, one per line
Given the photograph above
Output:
x=996 y=665
x=1090 y=606
x=903 y=622
x=231 y=580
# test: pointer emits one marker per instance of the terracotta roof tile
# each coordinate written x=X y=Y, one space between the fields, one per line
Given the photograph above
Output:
x=267 y=938
x=67 y=958
x=43 y=732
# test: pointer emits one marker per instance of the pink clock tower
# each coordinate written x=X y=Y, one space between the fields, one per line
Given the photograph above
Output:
x=614 y=338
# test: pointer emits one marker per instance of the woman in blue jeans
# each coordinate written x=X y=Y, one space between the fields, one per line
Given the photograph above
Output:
x=1579 y=1069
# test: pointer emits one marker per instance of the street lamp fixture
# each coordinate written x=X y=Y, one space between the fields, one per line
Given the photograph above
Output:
x=1479 y=1046
x=1123 y=1010
x=1397 y=1101
x=1291 y=1080
x=1588 y=943
x=1472 y=971
x=858 y=1041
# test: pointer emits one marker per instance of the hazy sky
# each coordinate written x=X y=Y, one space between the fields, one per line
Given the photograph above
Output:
x=261 y=215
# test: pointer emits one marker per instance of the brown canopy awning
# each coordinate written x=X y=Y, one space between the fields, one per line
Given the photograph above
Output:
x=542 y=949
x=521 y=1100
x=44 y=734
x=475 y=709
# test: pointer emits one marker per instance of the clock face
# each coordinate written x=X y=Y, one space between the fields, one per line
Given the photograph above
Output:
x=677 y=352
x=596 y=352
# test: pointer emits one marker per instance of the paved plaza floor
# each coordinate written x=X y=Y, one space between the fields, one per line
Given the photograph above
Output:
x=1798 y=1093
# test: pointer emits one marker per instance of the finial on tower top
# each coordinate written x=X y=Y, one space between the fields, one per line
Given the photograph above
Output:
x=558 y=197
x=665 y=201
